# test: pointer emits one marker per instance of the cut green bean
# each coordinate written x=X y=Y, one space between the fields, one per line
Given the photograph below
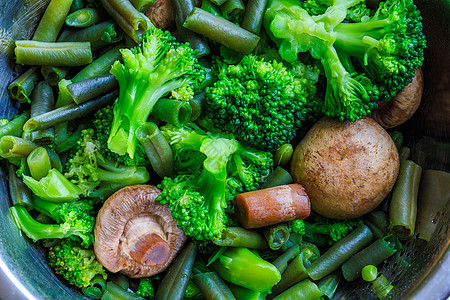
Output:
x=55 y=160
x=86 y=17
x=174 y=283
x=23 y=167
x=335 y=256
x=197 y=104
x=157 y=149
x=13 y=147
x=254 y=14
x=14 y=127
x=218 y=2
x=21 y=88
x=211 y=8
x=329 y=284
x=68 y=113
x=42 y=102
x=284 y=259
x=369 y=273
x=403 y=207
x=132 y=22
x=142 y=5
x=222 y=31
x=278 y=177
x=276 y=235
x=113 y=291
x=64 y=54
x=172 y=111
x=305 y=290
x=19 y=192
x=52 y=20
x=242 y=293
x=283 y=155
x=233 y=8
x=374 y=254
x=88 y=89
x=96 y=287
x=53 y=75
x=76 y=5
x=71 y=141
x=121 y=280
x=39 y=163
x=212 y=286
x=378 y=222
x=404 y=153
x=381 y=286
x=241 y=237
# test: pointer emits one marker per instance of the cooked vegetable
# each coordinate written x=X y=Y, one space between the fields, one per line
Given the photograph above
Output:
x=20 y=194
x=282 y=261
x=14 y=126
x=240 y=237
x=212 y=286
x=114 y=291
x=329 y=284
x=15 y=147
x=88 y=89
x=161 y=14
x=172 y=111
x=331 y=229
x=306 y=290
x=145 y=288
x=53 y=75
x=42 y=101
x=277 y=235
x=278 y=177
x=86 y=17
x=253 y=16
x=39 y=163
x=23 y=85
x=52 y=20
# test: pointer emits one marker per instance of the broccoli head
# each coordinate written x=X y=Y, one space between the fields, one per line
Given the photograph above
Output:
x=145 y=288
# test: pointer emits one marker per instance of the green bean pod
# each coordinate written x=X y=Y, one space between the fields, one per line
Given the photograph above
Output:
x=218 y=2
x=254 y=14
x=278 y=177
x=404 y=153
x=87 y=89
x=76 y=5
x=52 y=20
x=305 y=290
x=19 y=192
x=121 y=280
x=68 y=113
x=403 y=208
x=132 y=22
x=157 y=149
x=241 y=237
x=328 y=285
x=13 y=147
x=335 y=256
x=15 y=126
x=39 y=163
x=212 y=286
x=378 y=222
x=55 y=160
x=21 y=88
x=276 y=235
x=113 y=291
x=42 y=102
x=172 y=111
x=381 y=286
x=86 y=17
x=242 y=293
x=70 y=141
x=222 y=31
x=397 y=137
x=142 y=5
x=96 y=287
x=284 y=259
x=283 y=155
x=174 y=283
x=197 y=104
x=233 y=8
x=53 y=74
x=64 y=54
x=211 y=8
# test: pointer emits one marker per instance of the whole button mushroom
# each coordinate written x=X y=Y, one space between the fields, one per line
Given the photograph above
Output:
x=134 y=234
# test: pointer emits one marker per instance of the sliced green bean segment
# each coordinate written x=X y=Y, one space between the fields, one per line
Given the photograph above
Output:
x=328 y=285
x=53 y=74
x=13 y=147
x=76 y=5
x=233 y=8
x=305 y=290
x=335 y=256
x=283 y=155
x=403 y=208
x=222 y=31
x=39 y=163
x=197 y=104
x=241 y=237
x=64 y=54
x=70 y=141
x=218 y=2
x=381 y=286
x=157 y=149
x=68 y=113
x=404 y=152
x=19 y=192
x=211 y=8
x=284 y=259
x=55 y=160
x=142 y=5
x=132 y=22
x=212 y=286
x=86 y=17
x=113 y=291
x=96 y=287
x=87 y=89
x=174 y=283
x=52 y=20
x=276 y=235
x=14 y=127
x=278 y=177
x=121 y=280
x=21 y=88
x=172 y=111
x=254 y=14
x=378 y=222
x=43 y=101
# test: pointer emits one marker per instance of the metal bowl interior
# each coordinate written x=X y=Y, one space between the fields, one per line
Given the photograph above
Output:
x=24 y=273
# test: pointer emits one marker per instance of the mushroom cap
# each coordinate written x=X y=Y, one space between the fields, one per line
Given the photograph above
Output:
x=134 y=234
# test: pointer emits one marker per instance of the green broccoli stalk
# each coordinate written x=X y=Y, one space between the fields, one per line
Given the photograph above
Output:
x=74 y=220
x=150 y=71
x=145 y=288
x=78 y=266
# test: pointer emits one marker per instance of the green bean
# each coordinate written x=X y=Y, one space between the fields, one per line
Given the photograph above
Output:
x=64 y=54
x=52 y=20
x=55 y=160
x=222 y=31
x=96 y=287
x=276 y=235
x=378 y=222
x=278 y=177
x=328 y=285
x=68 y=113
x=21 y=88
x=86 y=17
x=53 y=75
x=305 y=290
x=19 y=192
x=397 y=137
x=181 y=9
x=283 y=155
x=14 y=126
x=113 y=291
x=142 y=5
x=381 y=286
x=369 y=273
x=71 y=141
x=374 y=254
x=404 y=152
x=23 y=167
x=360 y=237
x=242 y=293
x=232 y=8
x=212 y=286
x=403 y=207
x=197 y=104
x=284 y=259
x=210 y=78
x=211 y=8
x=132 y=22
x=254 y=13
x=241 y=237
x=174 y=283
x=76 y=5
x=87 y=89
x=12 y=146
x=172 y=111
x=218 y=2
x=42 y=102
x=39 y=163
x=157 y=149
x=121 y=280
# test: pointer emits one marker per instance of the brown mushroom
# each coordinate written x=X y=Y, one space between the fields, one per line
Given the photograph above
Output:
x=402 y=107
x=161 y=14
x=134 y=234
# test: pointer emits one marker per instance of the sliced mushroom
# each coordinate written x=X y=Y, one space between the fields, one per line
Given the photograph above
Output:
x=134 y=234
x=161 y=14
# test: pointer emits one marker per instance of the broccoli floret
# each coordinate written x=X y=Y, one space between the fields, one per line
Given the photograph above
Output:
x=333 y=230
x=148 y=72
x=261 y=102
x=213 y=167
x=318 y=7
x=145 y=288
x=78 y=266
x=74 y=220
x=297 y=226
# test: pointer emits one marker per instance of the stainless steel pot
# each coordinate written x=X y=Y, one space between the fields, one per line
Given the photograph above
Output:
x=24 y=273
